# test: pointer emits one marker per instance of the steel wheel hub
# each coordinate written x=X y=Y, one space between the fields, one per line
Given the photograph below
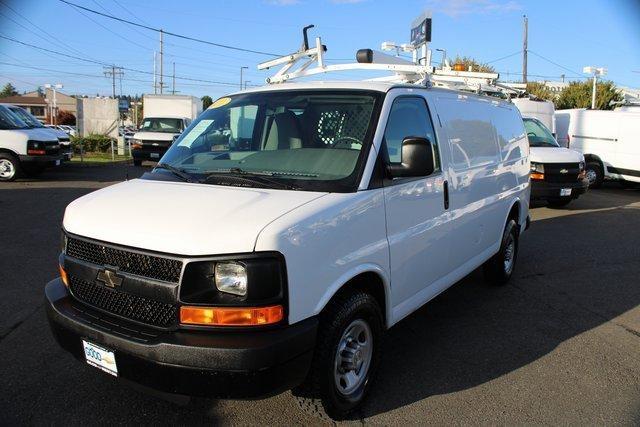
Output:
x=7 y=169
x=353 y=357
x=509 y=253
x=591 y=176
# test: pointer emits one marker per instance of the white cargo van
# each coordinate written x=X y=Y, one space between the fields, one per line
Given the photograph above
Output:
x=24 y=150
x=609 y=141
x=165 y=118
x=557 y=174
x=33 y=123
x=299 y=221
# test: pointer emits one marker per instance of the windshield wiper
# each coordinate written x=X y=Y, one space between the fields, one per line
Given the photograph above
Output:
x=259 y=177
x=176 y=171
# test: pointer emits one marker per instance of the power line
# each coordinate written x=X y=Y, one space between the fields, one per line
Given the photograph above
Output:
x=555 y=63
x=105 y=63
x=147 y=27
x=504 y=57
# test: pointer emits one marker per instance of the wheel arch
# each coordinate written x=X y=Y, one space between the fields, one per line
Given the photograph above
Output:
x=370 y=278
x=13 y=153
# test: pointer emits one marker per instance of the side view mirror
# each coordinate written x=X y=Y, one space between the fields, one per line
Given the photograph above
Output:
x=417 y=158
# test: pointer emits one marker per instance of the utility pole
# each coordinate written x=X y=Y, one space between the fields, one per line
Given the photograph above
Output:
x=525 y=49
x=173 y=77
x=562 y=77
x=242 y=68
x=114 y=72
x=161 y=61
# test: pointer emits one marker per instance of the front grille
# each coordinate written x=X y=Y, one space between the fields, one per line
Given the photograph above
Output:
x=552 y=172
x=153 y=267
x=126 y=305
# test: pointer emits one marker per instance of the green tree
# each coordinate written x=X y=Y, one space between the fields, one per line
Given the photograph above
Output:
x=206 y=102
x=540 y=90
x=8 y=90
x=578 y=95
x=474 y=64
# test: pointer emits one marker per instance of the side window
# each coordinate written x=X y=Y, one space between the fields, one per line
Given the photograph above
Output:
x=409 y=116
x=510 y=133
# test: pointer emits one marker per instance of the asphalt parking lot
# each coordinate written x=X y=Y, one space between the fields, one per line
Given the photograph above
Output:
x=559 y=345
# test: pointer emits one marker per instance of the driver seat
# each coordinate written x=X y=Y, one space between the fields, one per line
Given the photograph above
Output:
x=284 y=132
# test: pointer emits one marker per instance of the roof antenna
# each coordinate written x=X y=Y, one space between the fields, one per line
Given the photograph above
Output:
x=306 y=39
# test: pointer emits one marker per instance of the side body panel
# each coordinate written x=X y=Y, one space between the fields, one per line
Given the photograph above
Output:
x=326 y=243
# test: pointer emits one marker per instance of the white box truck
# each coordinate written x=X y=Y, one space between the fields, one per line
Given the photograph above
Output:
x=165 y=117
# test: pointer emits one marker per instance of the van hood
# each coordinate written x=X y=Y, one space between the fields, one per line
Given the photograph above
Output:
x=155 y=136
x=180 y=218
x=554 y=155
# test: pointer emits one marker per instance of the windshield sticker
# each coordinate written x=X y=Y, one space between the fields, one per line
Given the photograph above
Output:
x=197 y=130
x=220 y=103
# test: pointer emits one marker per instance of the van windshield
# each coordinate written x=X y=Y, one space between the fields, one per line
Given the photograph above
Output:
x=9 y=120
x=167 y=125
x=309 y=140
x=538 y=134
x=30 y=120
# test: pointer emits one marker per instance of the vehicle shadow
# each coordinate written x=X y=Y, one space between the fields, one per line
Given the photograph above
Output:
x=94 y=172
x=474 y=332
x=611 y=194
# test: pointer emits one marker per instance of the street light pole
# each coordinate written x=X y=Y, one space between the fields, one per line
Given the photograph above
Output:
x=245 y=84
x=241 y=69
x=444 y=56
x=596 y=71
x=54 y=109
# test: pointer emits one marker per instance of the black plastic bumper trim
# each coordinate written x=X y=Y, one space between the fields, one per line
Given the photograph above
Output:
x=546 y=190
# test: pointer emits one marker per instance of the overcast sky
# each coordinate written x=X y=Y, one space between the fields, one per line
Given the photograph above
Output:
x=564 y=36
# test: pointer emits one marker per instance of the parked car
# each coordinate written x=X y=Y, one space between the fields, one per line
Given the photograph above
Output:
x=607 y=139
x=557 y=173
x=33 y=123
x=297 y=224
x=24 y=150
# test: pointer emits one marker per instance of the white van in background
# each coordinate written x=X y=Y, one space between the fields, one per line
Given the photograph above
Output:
x=557 y=173
x=299 y=221
x=609 y=141
x=24 y=150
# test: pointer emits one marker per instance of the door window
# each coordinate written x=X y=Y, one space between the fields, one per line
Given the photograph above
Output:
x=409 y=116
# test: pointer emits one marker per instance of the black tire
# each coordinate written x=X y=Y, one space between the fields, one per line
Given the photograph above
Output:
x=598 y=173
x=560 y=202
x=319 y=395
x=137 y=162
x=10 y=167
x=32 y=170
x=495 y=269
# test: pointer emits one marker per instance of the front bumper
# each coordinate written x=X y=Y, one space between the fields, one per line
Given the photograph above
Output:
x=148 y=154
x=201 y=363
x=44 y=160
x=542 y=190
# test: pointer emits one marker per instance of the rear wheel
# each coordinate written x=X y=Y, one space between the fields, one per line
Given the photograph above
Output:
x=560 y=202
x=499 y=268
x=594 y=174
x=345 y=359
x=9 y=167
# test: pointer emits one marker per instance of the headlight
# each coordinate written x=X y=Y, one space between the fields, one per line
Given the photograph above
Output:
x=231 y=277
x=537 y=167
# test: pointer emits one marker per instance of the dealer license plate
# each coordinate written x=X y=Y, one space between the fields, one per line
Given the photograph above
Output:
x=100 y=357
x=57 y=162
x=565 y=191
x=154 y=155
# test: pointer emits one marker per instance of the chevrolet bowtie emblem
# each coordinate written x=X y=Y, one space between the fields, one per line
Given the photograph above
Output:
x=109 y=278
x=564 y=171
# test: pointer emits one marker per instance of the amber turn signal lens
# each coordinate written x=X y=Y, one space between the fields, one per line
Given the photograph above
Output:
x=227 y=316
x=536 y=175
x=63 y=276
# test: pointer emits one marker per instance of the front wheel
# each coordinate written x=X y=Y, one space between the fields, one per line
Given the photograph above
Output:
x=346 y=357
x=9 y=167
x=594 y=174
x=499 y=268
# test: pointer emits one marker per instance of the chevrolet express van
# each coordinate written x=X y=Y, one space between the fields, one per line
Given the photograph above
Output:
x=299 y=221
x=24 y=150
x=558 y=174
